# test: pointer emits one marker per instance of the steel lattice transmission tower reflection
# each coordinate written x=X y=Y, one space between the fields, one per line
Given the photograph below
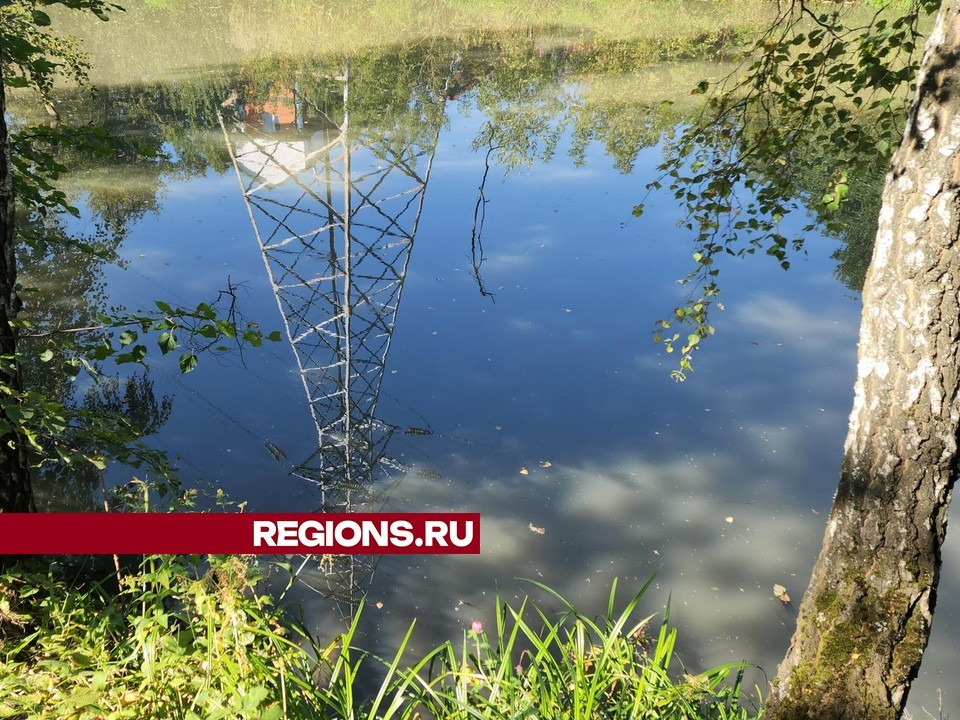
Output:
x=335 y=209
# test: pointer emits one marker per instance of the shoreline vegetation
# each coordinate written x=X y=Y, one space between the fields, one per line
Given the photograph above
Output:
x=159 y=38
x=175 y=637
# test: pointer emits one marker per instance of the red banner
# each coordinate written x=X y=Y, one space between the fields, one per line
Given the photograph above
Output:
x=239 y=533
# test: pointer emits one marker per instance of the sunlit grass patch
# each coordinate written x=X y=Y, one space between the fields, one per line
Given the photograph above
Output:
x=175 y=639
x=151 y=41
x=573 y=666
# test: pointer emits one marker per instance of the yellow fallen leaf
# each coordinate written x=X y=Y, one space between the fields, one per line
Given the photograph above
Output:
x=379 y=605
x=780 y=592
x=524 y=471
x=546 y=464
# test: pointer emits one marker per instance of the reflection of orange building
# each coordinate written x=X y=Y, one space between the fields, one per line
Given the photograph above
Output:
x=280 y=109
x=284 y=114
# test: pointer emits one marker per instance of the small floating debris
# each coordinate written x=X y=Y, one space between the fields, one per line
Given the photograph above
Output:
x=780 y=593
x=546 y=464
x=524 y=471
x=537 y=530
x=429 y=474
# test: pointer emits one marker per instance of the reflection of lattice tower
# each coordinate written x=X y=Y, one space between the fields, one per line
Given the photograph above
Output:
x=335 y=211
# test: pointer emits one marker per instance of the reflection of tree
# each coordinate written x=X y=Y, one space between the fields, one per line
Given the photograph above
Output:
x=132 y=398
x=514 y=78
x=110 y=407
x=479 y=218
x=64 y=288
x=854 y=223
x=62 y=281
x=335 y=206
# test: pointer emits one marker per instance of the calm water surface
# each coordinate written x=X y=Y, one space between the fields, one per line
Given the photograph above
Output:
x=501 y=300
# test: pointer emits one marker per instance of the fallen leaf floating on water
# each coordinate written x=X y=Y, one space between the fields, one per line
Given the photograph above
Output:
x=379 y=606
x=537 y=530
x=524 y=471
x=546 y=464
x=729 y=519
x=780 y=592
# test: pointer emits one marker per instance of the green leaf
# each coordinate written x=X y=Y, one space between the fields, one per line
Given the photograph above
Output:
x=46 y=355
x=205 y=311
x=136 y=355
x=227 y=328
x=167 y=342
x=127 y=337
x=98 y=462
x=72 y=368
x=274 y=336
x=188 y=361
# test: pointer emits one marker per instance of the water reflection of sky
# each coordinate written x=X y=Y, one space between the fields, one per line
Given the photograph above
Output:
x=558 y=367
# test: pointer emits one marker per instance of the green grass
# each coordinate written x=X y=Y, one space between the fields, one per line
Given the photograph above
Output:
x=173 y=640
x=577 y=668
x=153 y=40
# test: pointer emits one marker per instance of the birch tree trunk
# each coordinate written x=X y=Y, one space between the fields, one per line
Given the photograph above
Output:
x=865 y=619
x=15 y=490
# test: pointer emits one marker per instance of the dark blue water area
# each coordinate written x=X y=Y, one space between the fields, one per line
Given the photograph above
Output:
x=550 y=410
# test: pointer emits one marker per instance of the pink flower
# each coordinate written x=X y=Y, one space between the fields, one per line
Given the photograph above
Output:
x=476 y=626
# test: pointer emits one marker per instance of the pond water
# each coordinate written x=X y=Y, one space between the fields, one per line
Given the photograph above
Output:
x=501 y=302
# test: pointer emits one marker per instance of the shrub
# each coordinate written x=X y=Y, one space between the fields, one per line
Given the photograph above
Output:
x=169 y=642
